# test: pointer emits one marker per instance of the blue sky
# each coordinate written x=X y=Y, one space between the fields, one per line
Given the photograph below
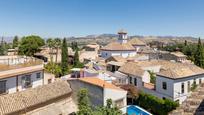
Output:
x=62 y=18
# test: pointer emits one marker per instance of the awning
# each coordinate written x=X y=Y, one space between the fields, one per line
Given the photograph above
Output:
x=76 y=69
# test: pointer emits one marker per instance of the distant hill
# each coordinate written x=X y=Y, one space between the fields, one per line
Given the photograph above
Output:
x=7 y=39
x=104 y=39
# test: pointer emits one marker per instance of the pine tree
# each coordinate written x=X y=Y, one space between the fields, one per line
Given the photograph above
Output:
x=199 y=55
x=64 y=58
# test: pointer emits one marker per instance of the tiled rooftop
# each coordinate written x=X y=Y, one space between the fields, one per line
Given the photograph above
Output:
x=115 y=46
x=32 y=98
x=173 y=70
x=99 y=82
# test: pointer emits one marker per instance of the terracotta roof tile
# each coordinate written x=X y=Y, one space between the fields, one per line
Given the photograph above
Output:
x=115 y=46
x=98 y=82
x=16 y=102
x=173 y=70
x=132 y=68
x=136 y=41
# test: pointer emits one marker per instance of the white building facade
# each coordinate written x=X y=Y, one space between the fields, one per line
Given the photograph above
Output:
x=119 y=48
x=173 y=80
x=18 y=77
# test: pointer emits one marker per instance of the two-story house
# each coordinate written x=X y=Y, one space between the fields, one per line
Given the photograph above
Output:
x=173 y=80
x=19 y=73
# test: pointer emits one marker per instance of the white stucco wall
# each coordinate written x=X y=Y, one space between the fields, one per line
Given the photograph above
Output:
x=115 y=95
x=155 y=69
x=139 y=81
x=174 y=87
x=169 y=91
x=178 y=95
x=35 y=81
x=107 y=54
x=11 y=82
x=146 y=77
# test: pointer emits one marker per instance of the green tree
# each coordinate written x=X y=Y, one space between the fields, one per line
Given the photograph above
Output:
x=152 y=77
x=83 y=103
x=29 y=45
x=199 y=55
x=74 y=46
x=76 y=58
x=3 y=49
x=109 y=109
x=15 y=42
x=64 y=58
x=156 y=105
x=54 y=69
x=185 y=43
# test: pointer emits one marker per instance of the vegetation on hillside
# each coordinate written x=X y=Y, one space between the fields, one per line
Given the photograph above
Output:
x=194 y=52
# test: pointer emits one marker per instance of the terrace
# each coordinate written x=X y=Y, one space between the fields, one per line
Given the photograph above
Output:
x=17 y=62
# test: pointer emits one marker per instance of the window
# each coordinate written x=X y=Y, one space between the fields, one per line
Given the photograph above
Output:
x=200 y=81
x=2 y=86
x=189 y=86
x=163 y=98
x=26 y=81
x=130 y=80
x=182 y=88
x=194 y=81
x=164 y=85
x=38 y=75
x=119 y=103
x=135 y=81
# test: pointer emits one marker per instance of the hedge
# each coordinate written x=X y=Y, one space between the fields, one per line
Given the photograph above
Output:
x=155 y=104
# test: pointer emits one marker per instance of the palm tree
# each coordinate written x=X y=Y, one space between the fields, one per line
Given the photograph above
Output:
x=50 y=44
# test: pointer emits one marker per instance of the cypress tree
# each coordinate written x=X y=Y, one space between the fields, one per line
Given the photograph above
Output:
x=199 y=55
x=76 y=58
x=2 y=47
x=64 y=58
x=185 y=43
x=15 y=42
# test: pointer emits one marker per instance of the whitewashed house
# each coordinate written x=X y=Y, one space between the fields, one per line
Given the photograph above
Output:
x=20 y=73
x=173 y=80
x=119 y=48
x=100 y=91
